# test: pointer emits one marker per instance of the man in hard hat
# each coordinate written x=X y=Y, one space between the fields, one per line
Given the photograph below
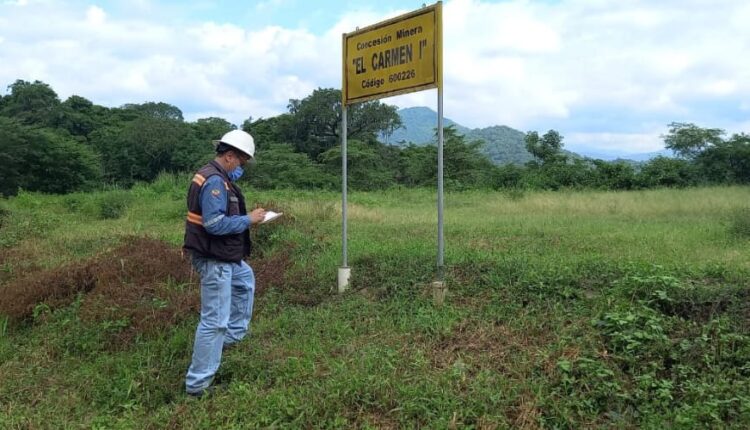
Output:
x=218 y=238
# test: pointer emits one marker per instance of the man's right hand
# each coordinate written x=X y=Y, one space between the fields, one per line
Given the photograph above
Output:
x=257 y=215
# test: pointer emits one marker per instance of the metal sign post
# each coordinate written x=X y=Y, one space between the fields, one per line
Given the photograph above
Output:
x=345 y=271
x=396 y=56
x=438 y=286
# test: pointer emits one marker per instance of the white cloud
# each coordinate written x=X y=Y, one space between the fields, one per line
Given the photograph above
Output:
x=721 y=87
x=264 y=6
x=601 y=72
x=619 y=143
x=95 y=15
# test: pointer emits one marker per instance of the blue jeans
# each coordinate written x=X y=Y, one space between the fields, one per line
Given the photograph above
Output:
x=227 y=292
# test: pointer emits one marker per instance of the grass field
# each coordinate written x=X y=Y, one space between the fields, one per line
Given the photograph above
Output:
x=564 y=310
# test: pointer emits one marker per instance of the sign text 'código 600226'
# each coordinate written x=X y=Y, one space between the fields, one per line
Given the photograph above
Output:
x=397 y=56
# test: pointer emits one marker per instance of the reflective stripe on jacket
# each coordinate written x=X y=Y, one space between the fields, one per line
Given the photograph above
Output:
x=229 y=247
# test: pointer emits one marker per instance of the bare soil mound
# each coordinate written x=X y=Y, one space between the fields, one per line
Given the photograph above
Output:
x=145 y=283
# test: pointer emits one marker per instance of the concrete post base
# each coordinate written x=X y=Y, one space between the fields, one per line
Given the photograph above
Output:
x=343 y=279
x=438 y=292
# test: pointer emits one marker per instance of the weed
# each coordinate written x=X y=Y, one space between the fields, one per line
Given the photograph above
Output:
x=739 y=223
x=4 y=213
x=515 y=193
x=113 y=205
x=576 y=310
x=3 y=325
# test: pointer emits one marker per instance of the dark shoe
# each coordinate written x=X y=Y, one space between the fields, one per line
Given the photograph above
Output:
x=212 y=389
x=228 y=346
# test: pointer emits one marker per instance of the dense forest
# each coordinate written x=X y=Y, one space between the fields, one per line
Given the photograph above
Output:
x=55 y=146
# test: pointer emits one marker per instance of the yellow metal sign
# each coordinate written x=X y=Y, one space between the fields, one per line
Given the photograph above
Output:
x=397 y=56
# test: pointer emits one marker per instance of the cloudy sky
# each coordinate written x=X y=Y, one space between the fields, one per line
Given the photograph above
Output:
x=608 y=74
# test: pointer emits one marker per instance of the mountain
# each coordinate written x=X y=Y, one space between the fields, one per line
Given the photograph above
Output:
x=502 y=144
x=419 y=124
x=637 y=157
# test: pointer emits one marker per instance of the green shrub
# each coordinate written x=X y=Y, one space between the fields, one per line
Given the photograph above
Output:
x=4 y=213
x=515 y=193
x=114 y=204
x=739 y=223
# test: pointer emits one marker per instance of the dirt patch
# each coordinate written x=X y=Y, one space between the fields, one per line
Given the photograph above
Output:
x=144 y=284
x=300 y=286
x=276 y=271
x=271 y=272
x=526 y=413
x=474 y=345
x=16 y=261
x=495 y=345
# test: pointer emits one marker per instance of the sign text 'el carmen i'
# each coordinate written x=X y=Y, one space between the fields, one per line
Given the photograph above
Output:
x=397 y=56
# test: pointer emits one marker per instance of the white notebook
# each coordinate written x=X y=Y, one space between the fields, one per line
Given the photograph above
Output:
x=270 y=216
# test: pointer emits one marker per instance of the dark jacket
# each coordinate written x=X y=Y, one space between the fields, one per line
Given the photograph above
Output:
x=230 y=247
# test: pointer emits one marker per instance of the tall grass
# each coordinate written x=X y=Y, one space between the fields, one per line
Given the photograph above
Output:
x=565 y=310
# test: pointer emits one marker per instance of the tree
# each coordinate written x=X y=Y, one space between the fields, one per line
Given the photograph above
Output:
x=277 y=129
x=548 y=149
x=668 y=172
x=141 y=149
x=280 y=167
x=689 y=140
x=726 y=161
x=41 y=160
x=212 y=128
x=465 y=166
x=551 y=168
x=32 y=103
x=614 y=175
x=316 y=121
x=158 y=110
x=365 y=167
x=77 y=117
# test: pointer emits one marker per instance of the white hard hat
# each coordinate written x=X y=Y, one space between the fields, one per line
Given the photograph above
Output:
x=240 y=140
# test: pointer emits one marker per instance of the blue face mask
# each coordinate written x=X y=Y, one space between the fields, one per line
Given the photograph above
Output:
x=236 y=174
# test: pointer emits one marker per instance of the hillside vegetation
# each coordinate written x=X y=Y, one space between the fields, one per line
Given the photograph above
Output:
x=501 y=144
x=565 y=310
x=61 y=146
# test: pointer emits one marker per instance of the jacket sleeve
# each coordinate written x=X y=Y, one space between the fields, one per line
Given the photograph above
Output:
x=214 y=210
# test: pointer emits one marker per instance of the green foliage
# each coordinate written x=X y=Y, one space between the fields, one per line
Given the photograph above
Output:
x=503 y=145
x=418 y=126
x=365 y=169
x=689 y=140
x=78 y=118
x=739 y=223
x=726 y=161
x=547 y=149
x=40 y=160
x=465 y=166
x=315 y=121
x=615 y=175
x=147 y=146
x=114 y=204
x=667 y=172
x=60 y=147
x=209 y=129
x=154 y=110
x=278 y=166
x=561 y=313
x=31 y=104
